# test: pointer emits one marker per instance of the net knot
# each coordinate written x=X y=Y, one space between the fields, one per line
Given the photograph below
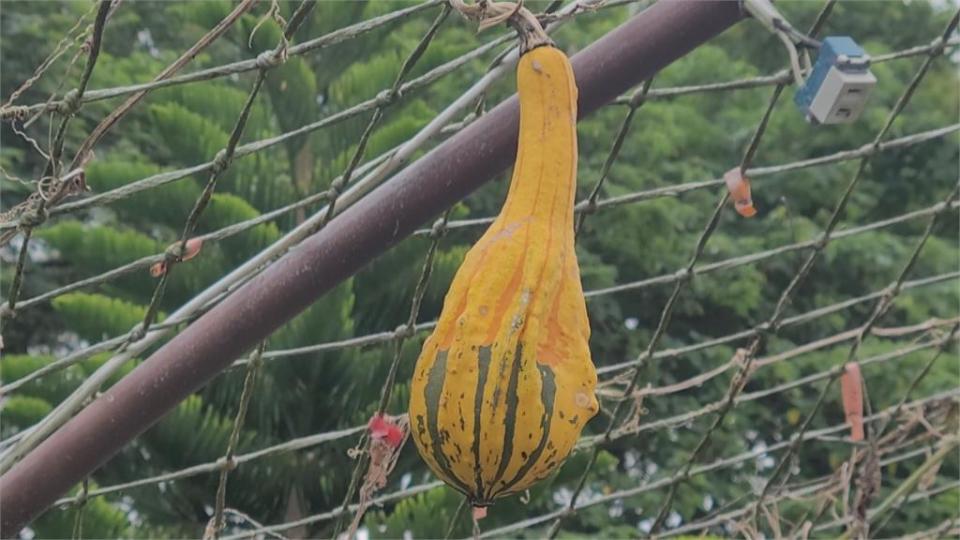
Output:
x=937 y=46
x=136 y=333
x=34 y=216
x=269 y=59
x=174 y=252
x=220 y=162
x=403 y=331
x=388 y=97
x=70 y=103
x=227 y=463
x=591 y=206
x=336 y=188
x=82 y=497
x=638 y=98
x=438 y=229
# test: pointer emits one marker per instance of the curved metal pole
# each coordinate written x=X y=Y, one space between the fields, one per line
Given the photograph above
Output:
x=629 y=54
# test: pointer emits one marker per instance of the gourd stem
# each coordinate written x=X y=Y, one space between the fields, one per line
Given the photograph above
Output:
x=530 y=31
x=519 y=18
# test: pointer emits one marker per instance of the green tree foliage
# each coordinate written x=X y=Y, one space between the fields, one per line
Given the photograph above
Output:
x=680 y=140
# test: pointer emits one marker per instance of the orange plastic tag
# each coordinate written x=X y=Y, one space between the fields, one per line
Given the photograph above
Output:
x=191 y=249
x=384 y=428
x=852 y=392
x=158 y=269
x=739 y=186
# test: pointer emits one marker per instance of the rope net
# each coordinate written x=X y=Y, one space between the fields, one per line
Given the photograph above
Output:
x=690 y=387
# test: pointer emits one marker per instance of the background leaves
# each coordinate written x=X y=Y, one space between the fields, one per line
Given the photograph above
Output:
x=680 y=140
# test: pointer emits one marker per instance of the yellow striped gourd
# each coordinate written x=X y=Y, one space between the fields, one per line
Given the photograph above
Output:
x=505 y=383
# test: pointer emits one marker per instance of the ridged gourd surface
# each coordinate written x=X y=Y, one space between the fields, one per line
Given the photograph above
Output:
x=505 y=384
